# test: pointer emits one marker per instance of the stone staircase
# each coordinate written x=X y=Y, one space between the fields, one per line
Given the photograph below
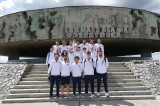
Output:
x=122 y=85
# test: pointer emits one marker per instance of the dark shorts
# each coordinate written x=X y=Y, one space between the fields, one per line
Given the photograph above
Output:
x=65 y=80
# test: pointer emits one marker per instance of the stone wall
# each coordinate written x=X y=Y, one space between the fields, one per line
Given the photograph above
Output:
x=10 y=74
x=149 y=72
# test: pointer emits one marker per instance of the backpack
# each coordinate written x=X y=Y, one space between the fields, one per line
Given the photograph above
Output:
x=48 y=55
x=85 y=61
x=104 y=60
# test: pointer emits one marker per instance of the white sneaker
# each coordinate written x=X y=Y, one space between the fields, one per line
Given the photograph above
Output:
x=107 y=95
x=98 y=94
x=92 y=95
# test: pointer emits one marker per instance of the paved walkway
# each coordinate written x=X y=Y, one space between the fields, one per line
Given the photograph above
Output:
x=95 y=103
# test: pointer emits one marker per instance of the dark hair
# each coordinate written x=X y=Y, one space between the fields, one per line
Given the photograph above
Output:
x=76 y=57
x=56 y=54
x=51 y=47
x=63 y=53
x=88 y=52
x=100 y=49
x=84 y=48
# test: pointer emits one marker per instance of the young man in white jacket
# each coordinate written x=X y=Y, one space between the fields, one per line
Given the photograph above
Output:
x=54 y=74
x=77 y=70
x=101 y=69
x=71 y=54
x=88 y=73
x=50 y=56
x=65 y=74
x=99 y=45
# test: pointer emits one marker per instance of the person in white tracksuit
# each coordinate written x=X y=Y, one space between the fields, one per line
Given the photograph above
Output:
x=50 y=56
x=101 y=69
x=65 y=74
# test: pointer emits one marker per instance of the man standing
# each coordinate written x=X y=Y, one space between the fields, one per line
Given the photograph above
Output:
x=92 y=45
x=99 y=45
x=84 y=45
x=50 y=56
x=71 y=55
x=88 y=73
x=101 y=68
x=64 y=46
x=54 y=74
x=56 y=46
x=79 y=54
x=77 y=69
x=65 y=75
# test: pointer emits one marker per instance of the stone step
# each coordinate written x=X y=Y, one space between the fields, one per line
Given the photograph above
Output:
x=37 y=89
x=109 y=73
x=109 y=69
x=108 y=80
x=82 y=83
x=111 y=93
x=48 y=86
x=117 y=67
x=102 y=98
x=117 y=63
x=118 y=70
x=110 y=76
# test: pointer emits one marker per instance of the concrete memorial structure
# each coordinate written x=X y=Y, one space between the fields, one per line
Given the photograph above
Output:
x=123 y=31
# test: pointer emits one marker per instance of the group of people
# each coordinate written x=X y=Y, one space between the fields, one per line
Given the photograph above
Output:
x=77 y=61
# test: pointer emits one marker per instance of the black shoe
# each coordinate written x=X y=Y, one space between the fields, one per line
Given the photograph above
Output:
x=57 y=96
x=50 y=97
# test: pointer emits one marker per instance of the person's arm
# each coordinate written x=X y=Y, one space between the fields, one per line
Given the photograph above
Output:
x=49 y=70
x=103 y=48
x=107 y=63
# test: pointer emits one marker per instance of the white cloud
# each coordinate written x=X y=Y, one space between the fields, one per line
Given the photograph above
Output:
x=28 y=1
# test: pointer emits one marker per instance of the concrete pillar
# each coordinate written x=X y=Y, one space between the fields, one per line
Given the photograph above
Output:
x=13 y=56
x=146 y=52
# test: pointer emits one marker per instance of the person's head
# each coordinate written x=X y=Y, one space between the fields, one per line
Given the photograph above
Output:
x=76 y=59
x=56 y=56
x=64 y=52
x=65 y=57
x=99 y=41
x=78 y=48
x=100 y=53
x=78 y=42
x=84 y=49
x=84 y=41
x=91 y=41
x=73 y=40
x=58 y=50
x=64 y=42
x=51 y=49
x=92 y=49
x=88 y=54
x=70 y=42
x=57 y=43
x=71 y=49
x=98 y=50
